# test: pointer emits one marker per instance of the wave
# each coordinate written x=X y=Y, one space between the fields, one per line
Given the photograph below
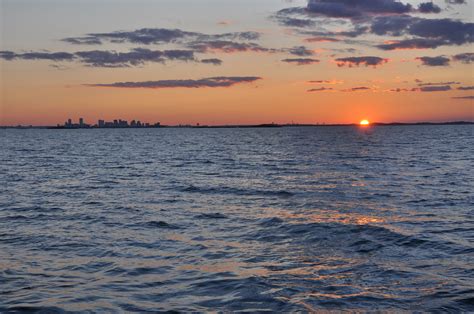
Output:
x=237 y=191
x=211 y=216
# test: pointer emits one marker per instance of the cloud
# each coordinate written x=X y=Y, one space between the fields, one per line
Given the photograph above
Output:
x=328 y=35
x=424 y=88
x=356 y=89
x=464 y=97
x=135 y=57
x=434 y=61
x=417 y=43
x=428 y=7
x=104 y=58
x=226 y=46
x=88 y=40
x=398 y=90
x=220 y=81
x=456 y=1
x=294 y=22
x=321 y=39
x=301 y=61
x=320 y=89
x=51 y=56
x=383 y=18
x=441 y=88
x=213 y=61
x=356 y=61
x=356 y=8
x=428 y=33
x=438 y=83
x=467 y=57
x=326 y=82
x=301 y=51
x=466 y=88
x=147 y=36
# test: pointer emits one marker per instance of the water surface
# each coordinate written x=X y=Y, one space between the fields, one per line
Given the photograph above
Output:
x=277 y=219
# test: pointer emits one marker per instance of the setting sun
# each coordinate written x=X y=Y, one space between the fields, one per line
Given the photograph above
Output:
x=364 y=122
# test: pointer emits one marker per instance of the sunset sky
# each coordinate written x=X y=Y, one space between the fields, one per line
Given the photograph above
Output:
x=236 y=62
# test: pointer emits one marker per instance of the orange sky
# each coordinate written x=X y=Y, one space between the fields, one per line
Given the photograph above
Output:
x=42 y=90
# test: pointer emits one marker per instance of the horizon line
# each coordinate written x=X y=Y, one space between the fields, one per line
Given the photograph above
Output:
x=272 y=124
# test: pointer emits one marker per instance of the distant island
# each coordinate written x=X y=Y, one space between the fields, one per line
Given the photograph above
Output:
x=135 y=124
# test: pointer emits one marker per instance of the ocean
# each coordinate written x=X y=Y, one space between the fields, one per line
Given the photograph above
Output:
x=237 y=219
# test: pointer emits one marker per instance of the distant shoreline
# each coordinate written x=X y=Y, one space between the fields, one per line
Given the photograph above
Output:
x=267 y=125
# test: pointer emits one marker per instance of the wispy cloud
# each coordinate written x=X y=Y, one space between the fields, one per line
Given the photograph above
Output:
x=467 y=57
x=356 y=89
x=212 y=82
x=226 y=46
x=357 y=61
x=301 y=61
x=464 y=97
x=104 y=58
x=434 y=61
x=441 y=88
x=326 y=82
x=213 y=61
x=147 y=36
x=321 y=39
x=320 y=89
x=301 y=51
x=438 y=83
x=51 y=56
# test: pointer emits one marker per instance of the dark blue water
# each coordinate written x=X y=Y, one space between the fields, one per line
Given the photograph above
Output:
x=279 y=219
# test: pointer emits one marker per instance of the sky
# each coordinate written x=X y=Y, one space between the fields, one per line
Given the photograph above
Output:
x=221 y=62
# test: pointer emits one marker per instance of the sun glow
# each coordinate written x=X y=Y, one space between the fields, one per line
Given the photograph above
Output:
x=364 y=122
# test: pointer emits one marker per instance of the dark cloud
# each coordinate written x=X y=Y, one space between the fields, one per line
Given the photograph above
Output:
x=467 y=57
x=399 y=90
x=82 y=40
x=294 y=22
x=384 y=18
x=301 y=51
x=356 y=61
x=434 y=61
x=438 y=83
x=213 y=61
x=427 y=88
x=320 y=89
x=135 y=57
x=352 y=33
x=428 y=7
x=301 y=61
x=221 y=81
x=147 y=36
x=227 y=46
x=456 y=1
x=356 y=8
x=428 y=33
x=356 y=89
x=325 y=82
x=390 y=25
x=321 y=39
x=417 y=43
x=104 y=58
x=464 y=97
x=466 y=88
x=51 y=56
x=440 y=88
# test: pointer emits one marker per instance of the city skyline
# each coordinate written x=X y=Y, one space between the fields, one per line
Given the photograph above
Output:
x=226 y=62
